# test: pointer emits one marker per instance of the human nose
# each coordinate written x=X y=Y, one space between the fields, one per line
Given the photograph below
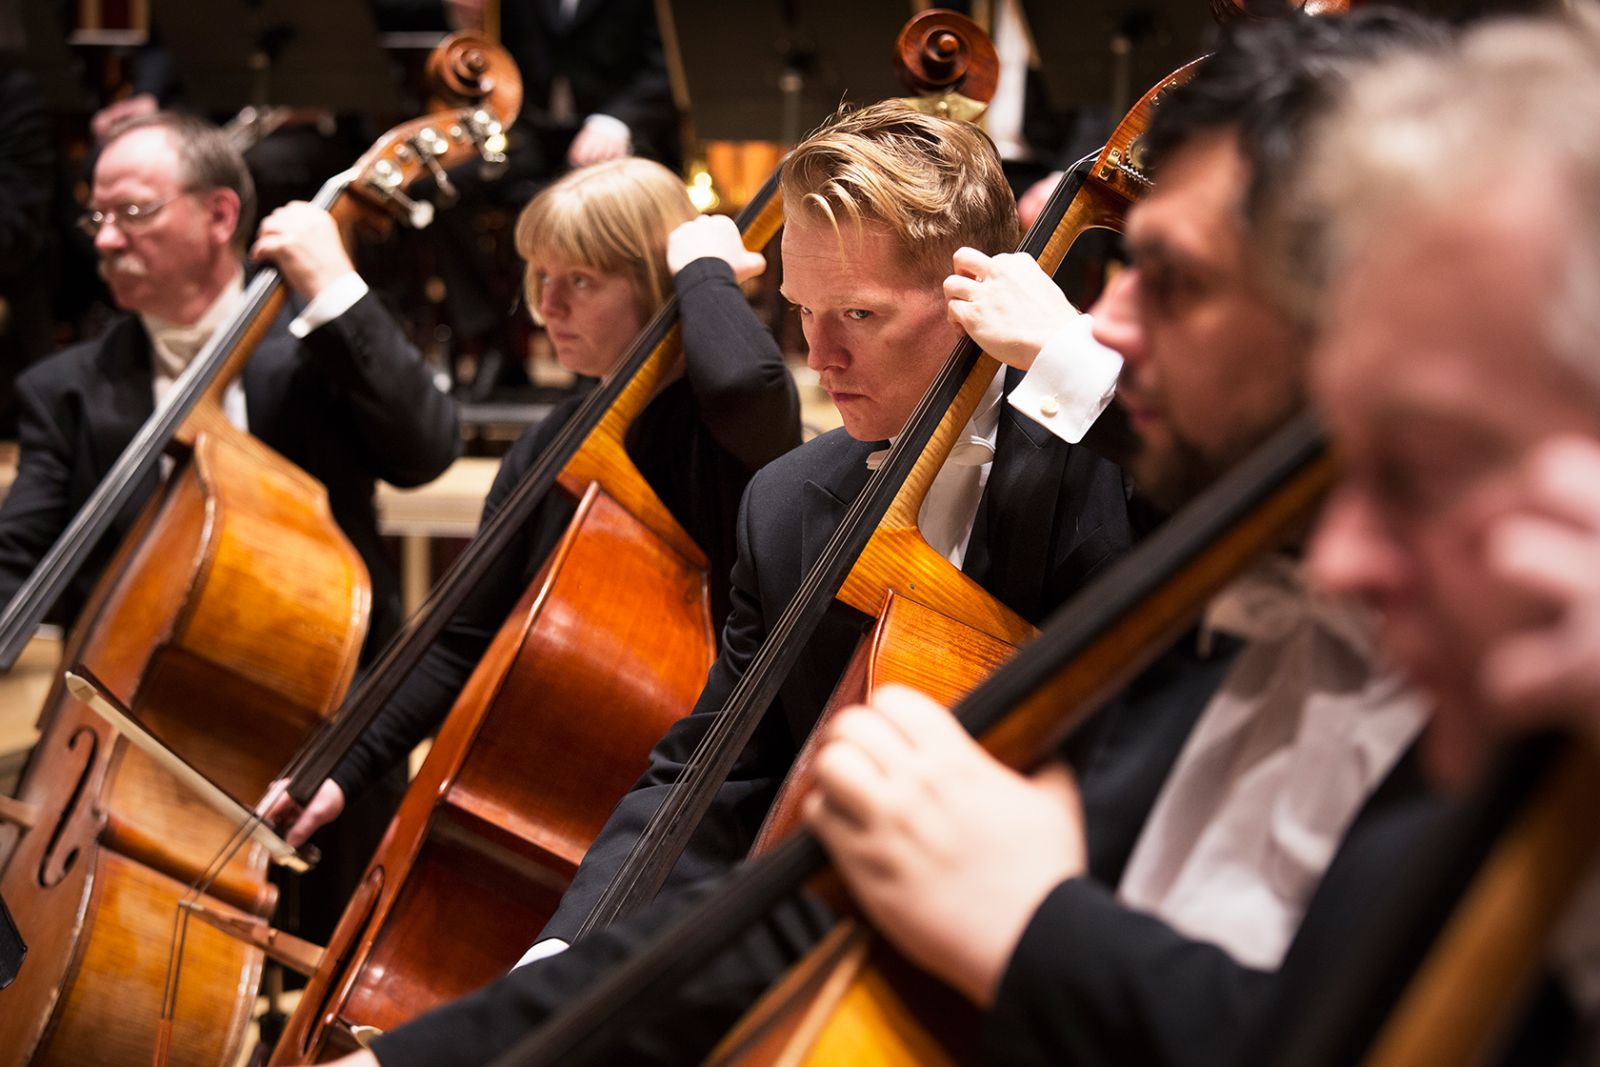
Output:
x=1116 y=316
x=553 y=300
x=1352 y=553
x=108 y=237
x=824 y=348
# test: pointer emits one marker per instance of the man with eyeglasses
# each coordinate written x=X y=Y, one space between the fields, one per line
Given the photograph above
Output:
x=335 y=386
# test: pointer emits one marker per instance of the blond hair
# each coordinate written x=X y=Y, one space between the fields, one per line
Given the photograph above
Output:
x=612 y=217
x=935 y=183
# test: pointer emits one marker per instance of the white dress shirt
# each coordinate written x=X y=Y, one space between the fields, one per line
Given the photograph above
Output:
x=1071 y=382
x=173 y=346
x=1302 y=730
x=951 y=504
x=1004 y=117
x=948 y=510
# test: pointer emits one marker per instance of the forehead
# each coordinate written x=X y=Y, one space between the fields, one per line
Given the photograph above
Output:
x=1194 y=209
x=559 y=261
x=1444 y=324
x=851 y=266
x=145 y=157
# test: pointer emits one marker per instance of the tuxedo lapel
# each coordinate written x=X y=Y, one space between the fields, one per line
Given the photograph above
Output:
x=821 y=515
x=122 y=398
x=122 y=401
x=835 y=480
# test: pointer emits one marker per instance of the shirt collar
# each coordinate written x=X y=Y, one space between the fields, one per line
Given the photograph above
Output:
x=975 y=445
x=1271 y=599
x=175 y=345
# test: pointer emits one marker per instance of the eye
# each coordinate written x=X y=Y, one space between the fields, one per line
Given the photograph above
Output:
x=857 y=314
x=581 y=281
x=800 y=309
x=1164 y=288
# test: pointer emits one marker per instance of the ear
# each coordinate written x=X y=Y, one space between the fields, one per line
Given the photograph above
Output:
x=222 y=214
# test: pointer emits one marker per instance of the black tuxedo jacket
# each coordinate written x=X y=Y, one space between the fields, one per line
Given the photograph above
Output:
x=1095 y=984
x=1121 y=757
x=610 y=53
x=350 y=403
x=697 y=443
x=1051 y=515
x=1364 y=882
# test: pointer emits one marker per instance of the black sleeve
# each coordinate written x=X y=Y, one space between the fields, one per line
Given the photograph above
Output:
x=406 y=425
x=744 y=393
x=426 y=697
x=37 y=508
x=681 y=1027
x=725 y=835
x=1094 y=983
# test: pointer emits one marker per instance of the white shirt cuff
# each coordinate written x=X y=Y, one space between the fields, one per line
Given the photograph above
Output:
x=337 y=297
x=1072 y=380
x=548 y=947
x=610 y=123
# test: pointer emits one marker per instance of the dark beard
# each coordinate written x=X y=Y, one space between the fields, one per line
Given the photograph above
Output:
x=1169 y=481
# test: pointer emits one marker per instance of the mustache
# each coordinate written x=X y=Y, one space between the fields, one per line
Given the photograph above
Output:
x=126 y=263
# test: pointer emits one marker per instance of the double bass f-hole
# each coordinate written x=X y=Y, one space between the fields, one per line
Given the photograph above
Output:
x=60 y=855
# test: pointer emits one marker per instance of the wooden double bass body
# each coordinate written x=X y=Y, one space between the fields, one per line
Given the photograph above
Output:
x=853 y=999
x=229 y=621
x=232 y=665
x=936 y=632
x=607 y=647
x=850 y=999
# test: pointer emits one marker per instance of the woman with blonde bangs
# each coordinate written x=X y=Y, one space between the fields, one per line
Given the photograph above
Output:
x=604 y=246
x=596 y=242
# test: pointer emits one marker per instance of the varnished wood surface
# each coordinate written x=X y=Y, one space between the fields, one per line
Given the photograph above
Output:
x=913 y=645
x=94 y=887
x=879 y=1009
x=1462 y=999
x=607 y=648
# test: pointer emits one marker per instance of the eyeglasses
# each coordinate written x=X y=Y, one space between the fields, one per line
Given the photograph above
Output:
x=127 y=216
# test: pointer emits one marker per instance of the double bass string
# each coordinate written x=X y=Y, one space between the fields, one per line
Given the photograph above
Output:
x=667 y=834
x=318 y=759
x=330 y=742
x=1085 y=646
x=141 y=457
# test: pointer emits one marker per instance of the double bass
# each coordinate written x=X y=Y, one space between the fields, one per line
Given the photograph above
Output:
x=229 y=620
x=610 y=644
x=1102 y=636
x=606 y=646
x=1089 y=649
x=1449 y=951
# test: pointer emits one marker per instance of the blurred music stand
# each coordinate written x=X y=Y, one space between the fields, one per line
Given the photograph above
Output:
x=230 y=54
x=805 y=57
x=12 y=948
